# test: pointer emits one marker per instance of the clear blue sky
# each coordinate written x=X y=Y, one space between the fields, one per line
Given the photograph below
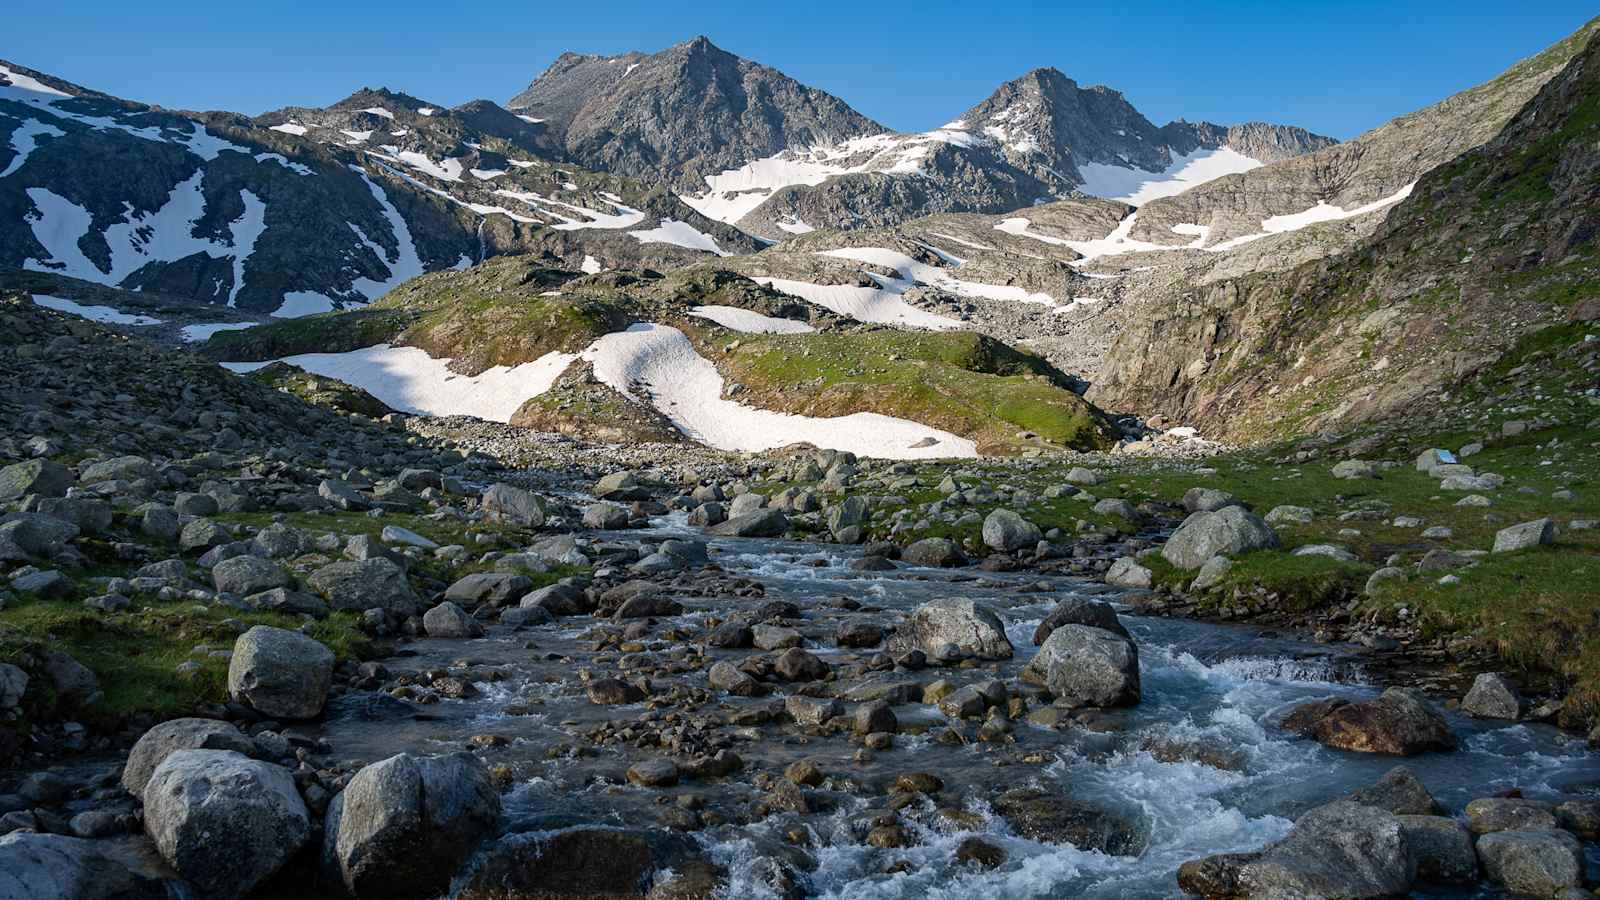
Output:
x=1335 y=67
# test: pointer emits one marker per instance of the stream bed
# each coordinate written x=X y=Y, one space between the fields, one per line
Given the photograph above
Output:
x=1220 y=688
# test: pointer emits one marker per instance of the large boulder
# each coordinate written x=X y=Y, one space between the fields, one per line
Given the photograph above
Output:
x=1079 y=611
x=1086 y=666
x=357 y=586
x=1126 y=572
x=406 y=824
x=36 y=476
x=448 y=620
x=934 y=552
x=1537 y=863
x=1528 y=534
x=1228 y=531
x=1492 y=697
x=160 y=742
x=1399 y=792
x=281 y=674
x=1398 y=723
x=1006 y=531
x=974 y=629
x=512 y=505
x=223 y=821
x=761 y=523
x=1342 y=850
x=245 y=575
x=38 y=866
x=121 y=468
x=497 y=588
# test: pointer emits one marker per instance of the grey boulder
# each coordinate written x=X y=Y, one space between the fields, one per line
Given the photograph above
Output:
x=1224 y=532
x=974 y=629
x=281 y=674
x=1086 y=666
x=160 y=742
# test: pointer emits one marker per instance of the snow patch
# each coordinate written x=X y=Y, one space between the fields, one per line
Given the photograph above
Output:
x=25 y=139
x=104 y=314
x=922 y=273
x=294 y=128
x=378 y=111
x=1137 y=186
x=682 y=234
x=590 y=265
x=304 y=303
x=749 y=321
x=447 y=169
x=882 y=304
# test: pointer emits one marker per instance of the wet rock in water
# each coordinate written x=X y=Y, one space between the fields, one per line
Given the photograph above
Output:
x=761 y=523
x=1342 y=849
x=981 y=853
x=224 y=821
x=36 y=866
x=1057 y=819
x=974 y=629
x=775 y=637
x=1079 y=611
x=725 y=676
x=811 y=711
x=405 y=825
x=1491 y=814
x=795 y=664
x=155 y=745
x=447 y=620
x=1399 y=792
x=1225 y=532
x=644 y=606
x=623 y=486
x=1538 y=863
x=281 y=674
x=1397 y=723
x=1126 y=572
x=590 y=862
x=1005 y=530
x=875 y=717
x=512 y=505
x=560 y=600
x=1581 y=817
x=1442 y=847
x=1215 y=877
x=1492 y=696
x=934 y=552
x=1086 y=666
x=804 y=773
x=654 y=772
x=731 y=636
x=859 y=634
x=605 y=516
x=612 y=692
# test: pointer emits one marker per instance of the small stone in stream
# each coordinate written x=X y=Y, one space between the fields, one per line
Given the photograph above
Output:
x=1537 y=863
x=560 y=600
x=1215 y=877
x=875 y=716
x=804 y=772
x=1491 y=814
x=918 y=783
x=1529 y=534
x=447 y=620
x=811 y=711
x=980 y=852
x=725 y=676
x=795 y=664
x=1056 y=819
x=731 y=636
x=859 y=634
x=871 y=564
x=646 y=606
x=653 y=772
x=612 y=692
x=775 y=637
x=606 y=517
x=1399 y=792
x=963 y=703
x=1126 y=572
x=890 y=837
x=1492 y=697
x=1443 y=848
x=879 y=740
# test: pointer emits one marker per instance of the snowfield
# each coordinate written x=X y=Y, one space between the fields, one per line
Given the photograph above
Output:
x=682 y=234
x=1136 y=186
x=749 y=321
x=410 y=380
x=919 y=272
x=882 y=304
x=686 y=388
x=653 y=364
x=103 y=314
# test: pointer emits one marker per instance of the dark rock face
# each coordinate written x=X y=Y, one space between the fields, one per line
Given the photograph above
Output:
x=1062 y=820
x=686 y=112
x=581 y=862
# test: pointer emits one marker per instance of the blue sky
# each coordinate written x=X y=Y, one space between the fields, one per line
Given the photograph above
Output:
x=1338 y=68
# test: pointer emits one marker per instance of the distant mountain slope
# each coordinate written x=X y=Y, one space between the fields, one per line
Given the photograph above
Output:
x=682 y=114
x=1488 y=249
x=747 y=145
x=305 y=210
x=1372 y=168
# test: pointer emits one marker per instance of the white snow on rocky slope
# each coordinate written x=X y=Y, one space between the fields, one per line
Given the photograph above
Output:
x=1136 y=186
x=104 y=314
x=750 y=321
x=590 y=265
x=687 y=389
x=882 y=304
x=408 y=379
x=1322 y=212
x=624 y=217
x=25 y=138
x=682 y=234
x=294 y=128
x=933 y=276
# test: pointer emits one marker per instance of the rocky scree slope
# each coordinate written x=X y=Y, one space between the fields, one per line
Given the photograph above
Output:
x=1489 y=248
